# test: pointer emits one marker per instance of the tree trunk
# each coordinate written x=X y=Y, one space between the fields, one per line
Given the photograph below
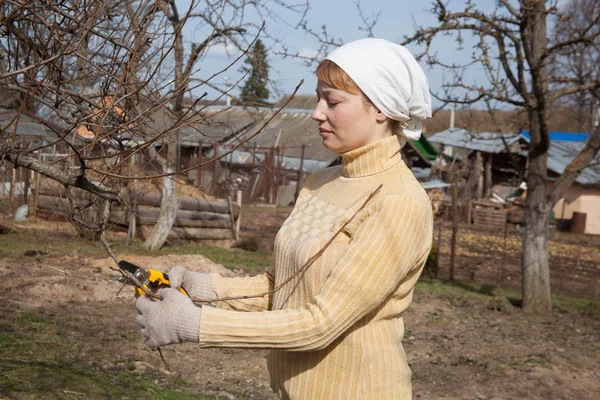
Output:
x=168 y=205
x=535 y=268
x=535 y=262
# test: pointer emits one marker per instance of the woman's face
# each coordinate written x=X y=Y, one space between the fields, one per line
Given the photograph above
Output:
x=345 y=122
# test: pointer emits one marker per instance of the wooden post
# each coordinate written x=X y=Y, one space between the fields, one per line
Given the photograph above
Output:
x=253 y=177
x=469 y=212
x=279 y=173
x=199 y=169
x=11 y=193
x=232 y=217
x=229 y=168
x=238 y=200
x=36 y=195
x=502 y=271
x=487 y=187
x=26 y=185
x=131 y=230
x=478 y=178
x=439 y=246
x=215 y=165
x=454 y=230
x=300 y=171
x=271 y=174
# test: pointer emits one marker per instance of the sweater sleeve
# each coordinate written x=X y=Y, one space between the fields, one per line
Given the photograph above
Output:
x=232 y=287
x=389 y=243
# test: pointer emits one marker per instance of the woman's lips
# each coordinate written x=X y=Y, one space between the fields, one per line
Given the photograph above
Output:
x=324 y=132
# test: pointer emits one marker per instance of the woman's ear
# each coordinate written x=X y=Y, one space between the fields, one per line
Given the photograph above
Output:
x=380 y=116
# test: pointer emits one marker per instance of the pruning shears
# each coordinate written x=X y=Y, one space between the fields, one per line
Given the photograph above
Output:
x=151 y=279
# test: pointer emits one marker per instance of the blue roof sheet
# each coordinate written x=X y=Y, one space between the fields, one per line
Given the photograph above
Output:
x=564 y=136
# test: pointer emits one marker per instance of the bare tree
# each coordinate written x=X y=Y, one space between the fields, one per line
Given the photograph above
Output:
x=512 y=46
x=118 y=70
x=579 y=62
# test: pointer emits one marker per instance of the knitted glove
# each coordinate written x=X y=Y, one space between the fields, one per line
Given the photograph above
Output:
x=174 y=319
x=198 y=285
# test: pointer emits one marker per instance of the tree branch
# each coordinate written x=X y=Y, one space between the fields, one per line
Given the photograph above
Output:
x=573 y=170
x=68 y=179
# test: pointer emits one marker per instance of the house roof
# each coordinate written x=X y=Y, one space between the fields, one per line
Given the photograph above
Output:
x=488 y=142
x=564 y=136
x=27 y=126
x=241 y=157
x=424 y=147
x=290 y=129
x=561 y=153
x=217 y=125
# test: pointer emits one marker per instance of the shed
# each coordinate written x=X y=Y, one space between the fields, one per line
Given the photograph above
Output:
x=494 y=157
x=583 y=196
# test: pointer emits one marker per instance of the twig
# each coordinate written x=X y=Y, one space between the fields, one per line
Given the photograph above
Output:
x=16 y=379
x=163 y=359
x=57 y=269
x=307 y=264
x=199 y=165
x=125 y=273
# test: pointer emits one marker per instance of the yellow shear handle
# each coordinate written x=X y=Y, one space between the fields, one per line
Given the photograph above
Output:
x=156 y=280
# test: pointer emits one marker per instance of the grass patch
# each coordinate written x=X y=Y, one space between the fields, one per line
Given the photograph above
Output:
x=37 y=362
x=585 y=306
x=14 y=244
x=258 y=208
x=252 y=261
x=489 y=294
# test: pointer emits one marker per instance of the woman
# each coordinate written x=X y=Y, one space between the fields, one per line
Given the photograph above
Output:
x=335 y=330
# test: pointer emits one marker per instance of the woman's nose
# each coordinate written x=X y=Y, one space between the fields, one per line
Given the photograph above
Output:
x=317 y=114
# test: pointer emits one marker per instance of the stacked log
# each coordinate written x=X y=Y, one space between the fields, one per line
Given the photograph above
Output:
x=196 y=219
x=49 y=201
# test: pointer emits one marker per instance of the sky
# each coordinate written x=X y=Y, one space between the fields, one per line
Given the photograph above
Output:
x=397 y=19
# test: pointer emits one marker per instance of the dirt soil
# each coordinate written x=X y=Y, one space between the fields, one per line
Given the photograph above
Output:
x=484 y=255
x=458 y=346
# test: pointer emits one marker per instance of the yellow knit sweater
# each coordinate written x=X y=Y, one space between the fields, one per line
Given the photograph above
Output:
x=336 y=330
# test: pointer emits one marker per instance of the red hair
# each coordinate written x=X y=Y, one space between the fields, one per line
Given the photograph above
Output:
x=330 y=73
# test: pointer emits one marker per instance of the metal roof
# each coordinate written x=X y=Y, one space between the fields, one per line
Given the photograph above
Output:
x=290 y=129
x=436 y=184
x=565 y=136
x=424 y=148
x=561 y=153
x=26 y=125
x=241 y=157
x=489 y=142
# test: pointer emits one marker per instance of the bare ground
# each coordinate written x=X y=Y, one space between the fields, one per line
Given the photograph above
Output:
x=460 y=345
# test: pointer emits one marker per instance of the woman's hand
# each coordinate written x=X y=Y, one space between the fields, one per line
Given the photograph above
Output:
x=174 y=319
x=197 y=284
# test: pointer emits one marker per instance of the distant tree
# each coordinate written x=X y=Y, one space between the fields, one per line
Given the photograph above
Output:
x=513 y=47
x=579 y=61
x=255 y=90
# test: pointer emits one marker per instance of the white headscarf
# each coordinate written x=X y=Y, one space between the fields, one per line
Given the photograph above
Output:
x=390 y=77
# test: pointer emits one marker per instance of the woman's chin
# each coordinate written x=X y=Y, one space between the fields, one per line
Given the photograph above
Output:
x=332 y=145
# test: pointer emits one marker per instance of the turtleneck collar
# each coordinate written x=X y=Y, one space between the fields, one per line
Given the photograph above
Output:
x=372 y=158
